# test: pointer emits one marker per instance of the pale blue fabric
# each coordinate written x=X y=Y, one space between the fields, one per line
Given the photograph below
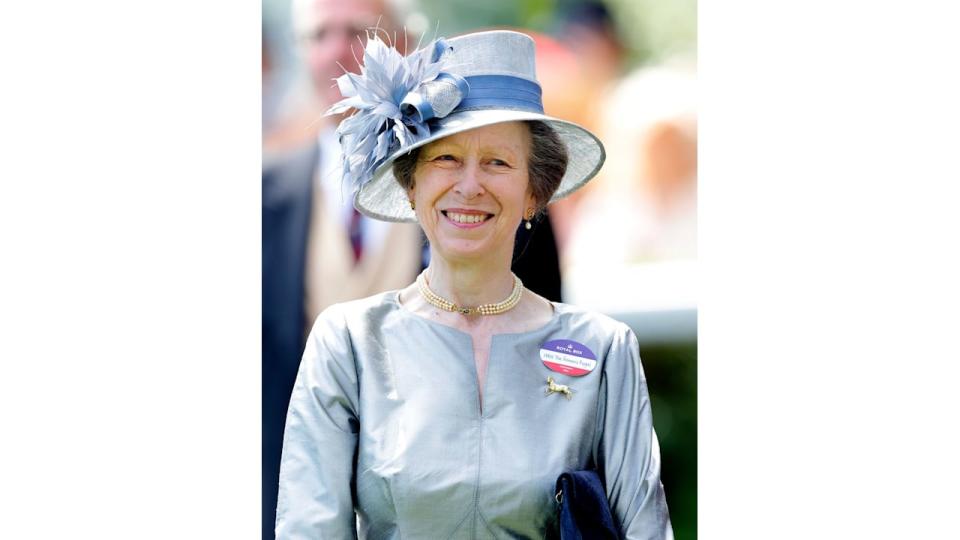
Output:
x=384 y=425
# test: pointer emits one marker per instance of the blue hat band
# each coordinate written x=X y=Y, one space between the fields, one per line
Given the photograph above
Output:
x=501 y=92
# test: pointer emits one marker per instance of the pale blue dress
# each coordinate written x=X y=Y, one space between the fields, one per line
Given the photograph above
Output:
x=385 y=438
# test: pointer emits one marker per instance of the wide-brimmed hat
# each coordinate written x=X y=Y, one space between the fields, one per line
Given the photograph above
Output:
x=448 y=87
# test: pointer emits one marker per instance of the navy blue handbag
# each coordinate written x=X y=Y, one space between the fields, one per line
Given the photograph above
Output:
x=584 y=509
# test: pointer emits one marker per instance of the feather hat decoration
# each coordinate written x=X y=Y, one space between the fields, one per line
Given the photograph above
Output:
x=395 y=97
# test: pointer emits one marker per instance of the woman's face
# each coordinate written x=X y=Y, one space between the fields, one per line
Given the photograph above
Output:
x=471 y=191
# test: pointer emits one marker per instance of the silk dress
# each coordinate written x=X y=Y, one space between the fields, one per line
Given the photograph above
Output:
x=386 y=438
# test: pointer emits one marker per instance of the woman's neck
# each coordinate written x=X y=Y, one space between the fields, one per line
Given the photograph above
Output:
x=469 y=285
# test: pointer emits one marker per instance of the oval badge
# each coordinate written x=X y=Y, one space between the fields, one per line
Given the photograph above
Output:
x=568 y=357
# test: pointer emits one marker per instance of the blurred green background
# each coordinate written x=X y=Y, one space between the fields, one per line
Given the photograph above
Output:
x=672 y=378
x=650 y=29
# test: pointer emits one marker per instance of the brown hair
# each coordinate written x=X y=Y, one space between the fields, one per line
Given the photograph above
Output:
x=546 y=165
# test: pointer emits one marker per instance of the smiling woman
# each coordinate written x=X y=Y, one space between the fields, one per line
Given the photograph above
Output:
x=471 y=190
x=449 y=409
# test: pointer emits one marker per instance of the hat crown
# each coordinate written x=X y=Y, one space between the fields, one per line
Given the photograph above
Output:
x=495 y=52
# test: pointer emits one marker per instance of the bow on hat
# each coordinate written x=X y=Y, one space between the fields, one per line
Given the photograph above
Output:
x=395 y=98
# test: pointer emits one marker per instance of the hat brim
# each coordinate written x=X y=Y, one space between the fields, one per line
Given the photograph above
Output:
x=383 y=198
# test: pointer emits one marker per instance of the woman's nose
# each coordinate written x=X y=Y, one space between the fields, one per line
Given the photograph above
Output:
x=469 y=184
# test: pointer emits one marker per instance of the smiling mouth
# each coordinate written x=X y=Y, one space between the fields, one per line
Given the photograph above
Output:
x=466 y=219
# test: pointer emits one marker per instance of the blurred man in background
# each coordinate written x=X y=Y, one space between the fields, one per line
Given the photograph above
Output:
x=317 y=249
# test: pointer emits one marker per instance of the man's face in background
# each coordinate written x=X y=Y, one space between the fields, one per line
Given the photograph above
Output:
x=327 y=29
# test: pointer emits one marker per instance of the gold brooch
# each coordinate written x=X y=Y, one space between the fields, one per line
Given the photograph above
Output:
x=554 y=388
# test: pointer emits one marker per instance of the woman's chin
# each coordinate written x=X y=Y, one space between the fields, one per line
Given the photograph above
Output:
x=464 y=249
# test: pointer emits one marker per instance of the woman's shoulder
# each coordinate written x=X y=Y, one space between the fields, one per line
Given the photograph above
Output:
x=571 y=315
x=361 y=311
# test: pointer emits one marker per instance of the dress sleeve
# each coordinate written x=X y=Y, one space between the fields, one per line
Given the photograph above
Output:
x=316 y=494
x=628 y=453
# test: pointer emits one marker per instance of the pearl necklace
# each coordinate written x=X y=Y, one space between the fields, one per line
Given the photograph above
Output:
x=484 y=309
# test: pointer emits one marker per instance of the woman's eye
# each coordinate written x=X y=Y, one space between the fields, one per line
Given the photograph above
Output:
x=499 y=163
x=445 y=161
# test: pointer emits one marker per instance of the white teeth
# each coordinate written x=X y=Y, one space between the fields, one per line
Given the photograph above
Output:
x=466 y=218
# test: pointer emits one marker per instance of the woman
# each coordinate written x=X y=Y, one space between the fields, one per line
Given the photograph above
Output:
x=449 y=408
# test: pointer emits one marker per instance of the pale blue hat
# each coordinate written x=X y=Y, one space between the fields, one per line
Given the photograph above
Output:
x=449 y=86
